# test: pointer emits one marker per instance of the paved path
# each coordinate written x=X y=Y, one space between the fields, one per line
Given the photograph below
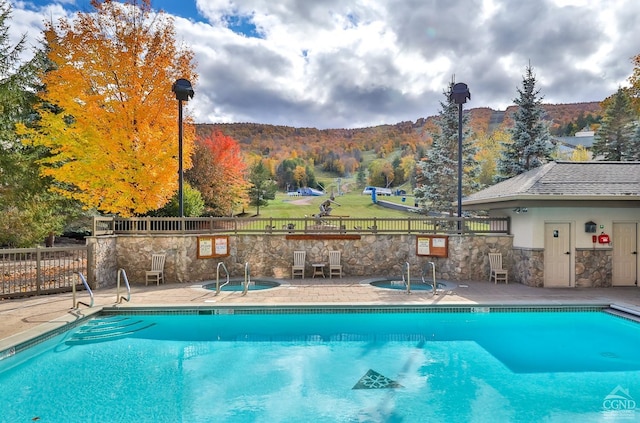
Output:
x=21 y=319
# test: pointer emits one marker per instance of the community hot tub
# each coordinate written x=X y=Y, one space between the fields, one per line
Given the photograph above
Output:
x=416 y=284
x=238 y=284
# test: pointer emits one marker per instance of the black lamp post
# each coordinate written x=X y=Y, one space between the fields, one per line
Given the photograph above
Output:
x=459 y=94
x=183 y=90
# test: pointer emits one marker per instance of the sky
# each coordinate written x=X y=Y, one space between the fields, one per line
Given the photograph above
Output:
x=359 y=63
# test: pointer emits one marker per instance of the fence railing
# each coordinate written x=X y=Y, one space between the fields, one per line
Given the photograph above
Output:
x=34 y=271
x=305 y=225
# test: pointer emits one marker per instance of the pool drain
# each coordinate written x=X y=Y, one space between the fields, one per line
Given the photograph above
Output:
x=374 y=380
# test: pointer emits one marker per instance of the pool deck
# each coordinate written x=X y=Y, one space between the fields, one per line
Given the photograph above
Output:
x=22 y=319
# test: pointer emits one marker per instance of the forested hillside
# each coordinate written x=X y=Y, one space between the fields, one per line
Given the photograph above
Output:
x=324 y=146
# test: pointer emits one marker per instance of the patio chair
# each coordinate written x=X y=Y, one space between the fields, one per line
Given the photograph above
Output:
x=157 y=269
x=497 y=273
x=334 y=264
x=299 y=258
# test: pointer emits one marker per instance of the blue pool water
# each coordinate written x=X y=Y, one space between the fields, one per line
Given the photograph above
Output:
x=352 y=365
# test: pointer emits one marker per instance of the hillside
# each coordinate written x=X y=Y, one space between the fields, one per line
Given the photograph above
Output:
x=321 y=144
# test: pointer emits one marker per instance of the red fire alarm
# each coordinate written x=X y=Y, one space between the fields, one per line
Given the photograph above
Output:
x=603 y=239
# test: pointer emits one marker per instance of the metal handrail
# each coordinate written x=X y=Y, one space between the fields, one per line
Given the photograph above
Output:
x=247 y=278
x=73 y=290
x=126 y=282
x=218 y=286
x=407 y=283
x=433 y=268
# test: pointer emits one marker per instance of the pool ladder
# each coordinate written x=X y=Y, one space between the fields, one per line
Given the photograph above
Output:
x=433 y=269
x=73 y=291
x=407 y=282
x=123 y=274
x=218 y=286
x=247 y=278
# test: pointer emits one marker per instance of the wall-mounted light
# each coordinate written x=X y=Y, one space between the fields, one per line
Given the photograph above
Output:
x=519 y=210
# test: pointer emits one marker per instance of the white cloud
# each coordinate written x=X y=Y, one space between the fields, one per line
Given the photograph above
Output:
x=348 y=63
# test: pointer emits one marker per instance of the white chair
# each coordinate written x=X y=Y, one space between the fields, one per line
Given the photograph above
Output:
x=497 y=273
x=334 y=264
x=157 y=269
x=299 y=258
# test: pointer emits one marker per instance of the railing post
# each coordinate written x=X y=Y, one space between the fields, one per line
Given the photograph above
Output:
x=38 y=270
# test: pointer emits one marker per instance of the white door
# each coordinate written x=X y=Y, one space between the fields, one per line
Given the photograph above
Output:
x=557 y=255
x=625 y=254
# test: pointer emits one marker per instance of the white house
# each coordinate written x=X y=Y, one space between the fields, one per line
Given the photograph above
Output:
x=573 y=223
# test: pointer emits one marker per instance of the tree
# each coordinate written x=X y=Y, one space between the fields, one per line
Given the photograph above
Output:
x=437 y=174
x=262 y=187
x=614 y=139
x=634 y=80
x=28 y=211
x=112 y=129
x=218 y=172
x=192 y=202
x=489 y=147
x=580 y=154
x=530 y=134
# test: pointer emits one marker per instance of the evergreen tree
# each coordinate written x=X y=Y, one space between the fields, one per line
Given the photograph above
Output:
x=437 y=175
x=262 y=187
x=529 y=146
x=614 y=140
x=29 y=212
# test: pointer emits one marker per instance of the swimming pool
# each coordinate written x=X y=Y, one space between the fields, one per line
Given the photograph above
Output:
x=348 y=364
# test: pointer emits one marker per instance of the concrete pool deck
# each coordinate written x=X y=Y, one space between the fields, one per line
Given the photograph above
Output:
x=24 y=318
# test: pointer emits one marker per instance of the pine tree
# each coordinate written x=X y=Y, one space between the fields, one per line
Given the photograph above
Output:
x=437 y=174
x=614 y=139
x=262 y=187
x=529 y=146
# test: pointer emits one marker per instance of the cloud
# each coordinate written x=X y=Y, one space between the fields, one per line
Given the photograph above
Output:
x=352 y=63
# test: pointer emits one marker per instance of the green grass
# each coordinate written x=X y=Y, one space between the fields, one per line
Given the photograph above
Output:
x=352 y=205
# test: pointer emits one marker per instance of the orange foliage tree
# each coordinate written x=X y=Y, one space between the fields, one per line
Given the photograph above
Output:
x=108 y=115
x=218 y=172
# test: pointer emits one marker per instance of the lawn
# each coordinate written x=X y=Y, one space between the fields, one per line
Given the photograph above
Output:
x=352 y=204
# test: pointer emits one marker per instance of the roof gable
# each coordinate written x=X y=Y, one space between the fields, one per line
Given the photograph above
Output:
x=578 y=180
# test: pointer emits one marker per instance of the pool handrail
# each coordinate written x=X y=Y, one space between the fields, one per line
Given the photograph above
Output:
x=433 y=268
x=73 y=290
x=126 y=282
x=407 y=283
x=247 y=278
x=218 y=286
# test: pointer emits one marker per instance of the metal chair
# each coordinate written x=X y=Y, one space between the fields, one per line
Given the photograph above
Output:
x=157 y=269
x=299 y=258
x=334 y=264
x=497 y=273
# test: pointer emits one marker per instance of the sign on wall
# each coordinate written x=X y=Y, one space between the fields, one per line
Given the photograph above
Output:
x=432 y=245
x=213 y=246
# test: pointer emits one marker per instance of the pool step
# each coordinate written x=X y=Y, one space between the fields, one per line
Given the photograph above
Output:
x=625 y=312
x=108 y=329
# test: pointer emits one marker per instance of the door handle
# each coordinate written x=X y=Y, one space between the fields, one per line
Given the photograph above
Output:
x=635 y=252
x=568 y=252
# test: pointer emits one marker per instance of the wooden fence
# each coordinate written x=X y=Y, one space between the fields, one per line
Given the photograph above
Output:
x=34 y=271
x=305 y=225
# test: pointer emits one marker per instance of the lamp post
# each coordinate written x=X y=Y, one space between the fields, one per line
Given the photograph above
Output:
x=459 y=94
x=183 y=90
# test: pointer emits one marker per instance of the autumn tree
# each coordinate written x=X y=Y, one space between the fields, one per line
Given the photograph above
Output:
x=381 y=173
x=614 y=140
x=530 y=134
x=489 y=147
x=580 y=154
x=108 y=115
x=634 y=79
x=218 y=172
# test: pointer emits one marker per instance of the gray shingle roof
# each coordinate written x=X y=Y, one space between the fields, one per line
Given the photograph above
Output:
x=569 y=180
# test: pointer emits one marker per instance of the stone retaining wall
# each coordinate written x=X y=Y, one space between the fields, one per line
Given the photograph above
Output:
x=272 y=255
x=594 y=267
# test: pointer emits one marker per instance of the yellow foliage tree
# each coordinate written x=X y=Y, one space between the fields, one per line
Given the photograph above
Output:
x=580 y=154
x=108 y=115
